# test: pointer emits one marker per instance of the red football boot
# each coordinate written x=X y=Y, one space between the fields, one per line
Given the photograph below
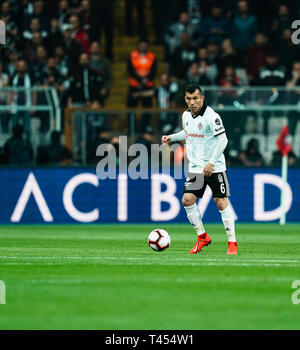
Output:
x=232 y=248
x=202 y=241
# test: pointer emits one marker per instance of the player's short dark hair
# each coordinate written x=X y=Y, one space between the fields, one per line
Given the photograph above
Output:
x=192 y=88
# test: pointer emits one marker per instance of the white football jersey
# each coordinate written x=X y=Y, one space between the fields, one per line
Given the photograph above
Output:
x=201 y=131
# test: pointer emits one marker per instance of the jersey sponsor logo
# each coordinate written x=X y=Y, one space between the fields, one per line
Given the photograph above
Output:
x=195 y=135
x=219 y=129
x=218 y=121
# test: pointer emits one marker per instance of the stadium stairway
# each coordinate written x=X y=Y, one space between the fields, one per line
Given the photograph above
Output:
x=123 y=45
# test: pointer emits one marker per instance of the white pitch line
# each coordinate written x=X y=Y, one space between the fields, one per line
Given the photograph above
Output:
x=146 y=258
x=152 y=264
x=151 y=261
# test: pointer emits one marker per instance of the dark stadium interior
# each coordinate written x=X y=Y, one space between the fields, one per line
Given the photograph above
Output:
x=233 y=49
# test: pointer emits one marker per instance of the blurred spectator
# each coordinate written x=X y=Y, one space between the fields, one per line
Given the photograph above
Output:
x=165 y=95
x=34 y=27
x=55 y=153
x=53 y=76
x=102 y=18
x=245 y=28
x=216 y=27
x=22 y=79
x=4 y=81
x=213 y=51
x=142 y=70
x=102 y=137
x=295 y=80
x=37 y=12
x=277 y=159
x=72 y=48
x=78 y=34
x=39 y=74
x=183 y=56
x=211 y=68
x=63 y=13
x=84 y=14
x=102 y=66
x=228 y=56
x=7 y=13
x=173 y=36
x=55 y=36
x=61 y=61
x=252 y=156
x=164 y=92
x=293 y=95
x=282 y=21
x=11 y=66
x=85 y=84
x=256 y=56
x=38 y=67
x=140 y=16
x=228 y=80
x=16 y=150
x=272 y=74
x=13 y=40
x=197 y=74
x=31 y=47
x=27 y=7
x=288 y=51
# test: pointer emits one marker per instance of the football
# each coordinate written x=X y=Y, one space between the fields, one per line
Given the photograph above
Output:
x=159 y=240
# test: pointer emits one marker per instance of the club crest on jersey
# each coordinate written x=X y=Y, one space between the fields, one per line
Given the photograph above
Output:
x=218 y=121
x=199 y=126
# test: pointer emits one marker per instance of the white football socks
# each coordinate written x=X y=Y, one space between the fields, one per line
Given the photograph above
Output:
x=228 y=221
x=194 y=217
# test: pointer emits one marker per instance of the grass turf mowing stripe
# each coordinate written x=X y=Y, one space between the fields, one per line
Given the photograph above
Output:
x=106 y=277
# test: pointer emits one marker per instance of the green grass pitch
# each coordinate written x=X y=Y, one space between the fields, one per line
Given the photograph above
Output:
x=106 y=277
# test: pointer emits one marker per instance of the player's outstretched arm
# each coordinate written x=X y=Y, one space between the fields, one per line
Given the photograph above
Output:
x=179 y=136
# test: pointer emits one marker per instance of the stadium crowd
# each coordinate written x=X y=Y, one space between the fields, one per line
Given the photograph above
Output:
x=226 y=44
x=227 y=47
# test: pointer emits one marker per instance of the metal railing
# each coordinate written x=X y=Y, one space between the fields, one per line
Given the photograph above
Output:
x=241 y=126
x=51 y=104
x=254 y=97
x=267 y=108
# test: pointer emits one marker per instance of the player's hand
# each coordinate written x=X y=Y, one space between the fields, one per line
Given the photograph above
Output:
x=208 y=170
x=165 y=139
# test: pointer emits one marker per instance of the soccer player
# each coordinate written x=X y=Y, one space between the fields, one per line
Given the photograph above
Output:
x=206 y=140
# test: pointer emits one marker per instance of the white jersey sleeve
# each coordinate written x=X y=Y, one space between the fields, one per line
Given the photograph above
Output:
x=181 y=135
x=216 y=124
x=219 y=148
